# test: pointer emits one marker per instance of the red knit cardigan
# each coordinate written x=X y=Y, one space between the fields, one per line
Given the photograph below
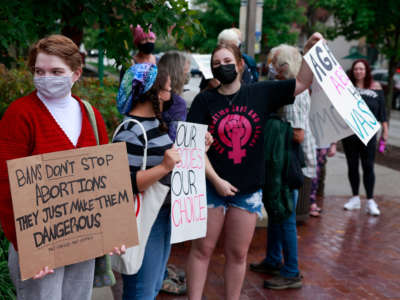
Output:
x=28 y=128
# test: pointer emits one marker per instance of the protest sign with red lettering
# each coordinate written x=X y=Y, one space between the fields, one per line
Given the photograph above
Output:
x=188 y=185
x=71 y=206
x=338 y=88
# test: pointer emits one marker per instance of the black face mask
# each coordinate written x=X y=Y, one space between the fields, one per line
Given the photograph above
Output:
x=146 y=48
x=225 y=73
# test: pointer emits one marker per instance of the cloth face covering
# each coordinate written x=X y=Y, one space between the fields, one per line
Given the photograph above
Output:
x=225 y=73
x=146 y=48
x=53 y=87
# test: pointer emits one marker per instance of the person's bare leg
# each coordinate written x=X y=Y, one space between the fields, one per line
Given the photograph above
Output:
x=239 y=229
x=201 y=252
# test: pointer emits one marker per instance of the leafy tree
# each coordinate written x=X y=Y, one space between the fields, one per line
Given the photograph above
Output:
x=214 y=16
x=24 y=21
x=279 y=17
x=378 y=21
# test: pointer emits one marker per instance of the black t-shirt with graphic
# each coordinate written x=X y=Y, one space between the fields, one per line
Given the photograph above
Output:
x=236 y=123
x=375 y=101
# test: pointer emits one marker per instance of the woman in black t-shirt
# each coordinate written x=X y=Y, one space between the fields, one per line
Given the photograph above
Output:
x=236 y=115
x=372 y=93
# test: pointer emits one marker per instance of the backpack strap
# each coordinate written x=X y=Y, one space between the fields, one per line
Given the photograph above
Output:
x=144 y=163
x=92 y=119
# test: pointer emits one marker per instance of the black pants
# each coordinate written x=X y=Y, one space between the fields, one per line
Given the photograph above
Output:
x=356 y=150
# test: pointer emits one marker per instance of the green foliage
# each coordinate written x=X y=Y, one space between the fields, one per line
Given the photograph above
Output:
x=103 y=98
x=7 y=289
x=24 y=21
x=216 y=16
x=16 y=83
x=378 y=21
x=278 y=19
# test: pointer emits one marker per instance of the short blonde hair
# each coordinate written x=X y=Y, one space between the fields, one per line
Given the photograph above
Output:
x=229 y=36
x=285 y=54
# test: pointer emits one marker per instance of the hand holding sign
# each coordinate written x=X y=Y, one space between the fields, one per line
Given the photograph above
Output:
x=188 y=187
x=312 y=41
x=345 y=98
x=65 y=206
x=171 y=158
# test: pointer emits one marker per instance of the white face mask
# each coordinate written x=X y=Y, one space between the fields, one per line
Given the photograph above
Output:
x=53 y=87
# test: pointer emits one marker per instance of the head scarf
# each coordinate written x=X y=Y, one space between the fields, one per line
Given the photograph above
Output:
x=140 y=35
x=137 y=80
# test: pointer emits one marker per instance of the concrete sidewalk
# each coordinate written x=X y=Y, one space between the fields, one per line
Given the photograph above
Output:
x=337 y=183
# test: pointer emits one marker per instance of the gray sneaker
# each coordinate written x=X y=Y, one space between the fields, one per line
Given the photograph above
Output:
x=281 y=283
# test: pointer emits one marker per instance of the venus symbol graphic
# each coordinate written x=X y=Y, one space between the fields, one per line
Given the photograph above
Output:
x=235 y=131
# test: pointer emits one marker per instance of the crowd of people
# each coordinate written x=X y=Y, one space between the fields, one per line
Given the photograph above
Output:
x=260 y=152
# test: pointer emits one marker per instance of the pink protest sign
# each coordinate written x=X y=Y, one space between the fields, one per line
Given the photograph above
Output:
x=188 y=185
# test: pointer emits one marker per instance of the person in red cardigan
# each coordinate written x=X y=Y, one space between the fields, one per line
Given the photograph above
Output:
x=47 y=120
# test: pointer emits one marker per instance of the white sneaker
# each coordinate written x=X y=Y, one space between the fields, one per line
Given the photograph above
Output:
x=372 y=208
x=353 y=203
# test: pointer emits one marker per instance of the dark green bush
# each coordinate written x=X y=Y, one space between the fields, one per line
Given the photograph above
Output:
x=7 y=290
x=16 y=83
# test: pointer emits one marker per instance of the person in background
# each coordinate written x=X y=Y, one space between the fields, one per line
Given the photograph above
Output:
x=230 y=36
x=49 y=119
x=282 y=237
x=372 y=93
x=236 y=114
x=250 y=61
x=178 y=67
x=317 y=184
x=144 y=42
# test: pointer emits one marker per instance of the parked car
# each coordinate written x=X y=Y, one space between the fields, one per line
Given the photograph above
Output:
x=381 y=76
x=194 y=67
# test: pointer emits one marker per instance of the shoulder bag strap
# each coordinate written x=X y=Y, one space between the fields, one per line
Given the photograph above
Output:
x=144 y=136
x=92 y=119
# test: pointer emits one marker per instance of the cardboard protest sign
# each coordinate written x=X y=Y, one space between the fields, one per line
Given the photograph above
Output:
x=188 y=185
x=204 y=62
x=70 y=206
x=338 y=88
x=326 y=124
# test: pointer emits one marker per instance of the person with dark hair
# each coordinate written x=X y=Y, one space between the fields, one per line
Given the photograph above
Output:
x=236 y=114
x=372 y=93
x=142 y=95
x=47 y=120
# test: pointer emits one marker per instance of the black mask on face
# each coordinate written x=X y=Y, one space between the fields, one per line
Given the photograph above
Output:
x=225 y=73
x=146 y=48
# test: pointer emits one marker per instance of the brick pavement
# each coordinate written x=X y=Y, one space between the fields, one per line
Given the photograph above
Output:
x=342 y=255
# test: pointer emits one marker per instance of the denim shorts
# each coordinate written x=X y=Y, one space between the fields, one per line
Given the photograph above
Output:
x=250 y=202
